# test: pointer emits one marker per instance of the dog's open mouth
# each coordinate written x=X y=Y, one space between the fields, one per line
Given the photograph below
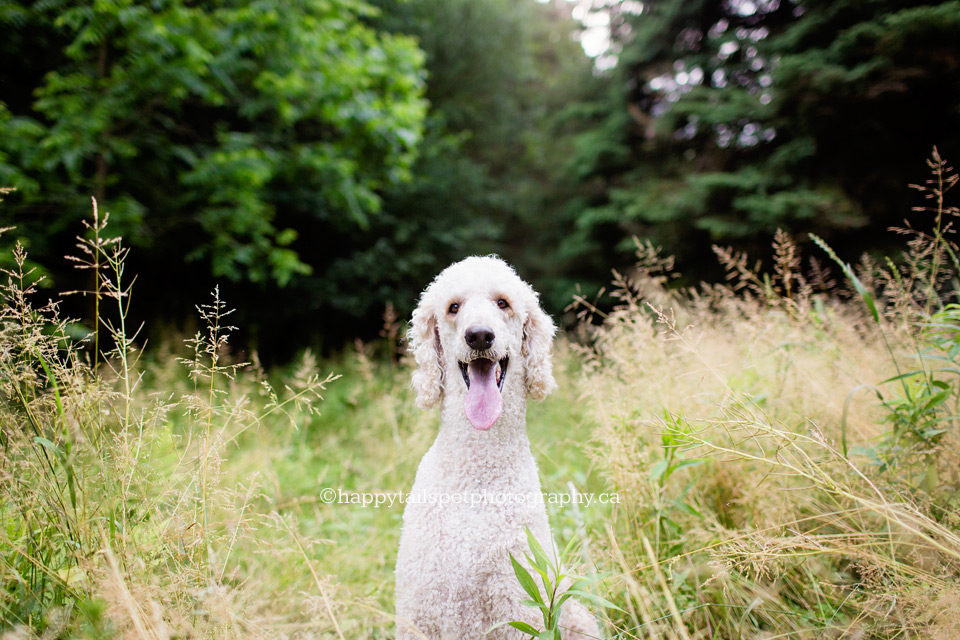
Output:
x=482 y=365
x=484 y=379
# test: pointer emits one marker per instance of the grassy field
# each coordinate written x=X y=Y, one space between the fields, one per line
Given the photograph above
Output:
x=784 y=449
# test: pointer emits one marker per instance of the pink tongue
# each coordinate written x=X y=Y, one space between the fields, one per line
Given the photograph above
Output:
x=484 y=403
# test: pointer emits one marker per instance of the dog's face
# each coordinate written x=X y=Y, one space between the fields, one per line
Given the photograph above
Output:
x=479 y=326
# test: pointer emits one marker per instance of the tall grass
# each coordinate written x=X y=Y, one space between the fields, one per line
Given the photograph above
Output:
x=787 y=448
x=118 y=516
x=784 y=447
x=176 y=493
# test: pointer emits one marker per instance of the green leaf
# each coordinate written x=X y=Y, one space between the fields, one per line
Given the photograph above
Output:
x=536 y=605
x=47 y=444
x=686 y=508
x=594 y=599
x=563 y=597
x=526 y=580
x=937 y=400
x=532 y=632
x=567 y=550
x=691 y=462
x=541 y=560
x=526 y=628
x=658 y=470
x=517 y=624
x=902 y=376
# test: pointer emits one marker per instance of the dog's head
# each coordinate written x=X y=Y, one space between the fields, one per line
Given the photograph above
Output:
x=479 y=325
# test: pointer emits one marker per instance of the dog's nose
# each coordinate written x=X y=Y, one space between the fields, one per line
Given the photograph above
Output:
x=479 y=337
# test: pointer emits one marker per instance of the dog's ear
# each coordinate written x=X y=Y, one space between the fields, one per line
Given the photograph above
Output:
x=424 y=340
x=538 y=330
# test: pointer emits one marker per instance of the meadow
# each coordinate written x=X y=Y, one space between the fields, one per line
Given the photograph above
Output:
x=784 y=448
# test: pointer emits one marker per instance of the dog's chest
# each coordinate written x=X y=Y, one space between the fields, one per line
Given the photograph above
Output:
x=465 y=548
x=467 y=524
x=465 y=516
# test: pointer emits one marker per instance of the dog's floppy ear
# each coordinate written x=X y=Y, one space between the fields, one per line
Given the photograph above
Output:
x=424 y=340
x=538 y=330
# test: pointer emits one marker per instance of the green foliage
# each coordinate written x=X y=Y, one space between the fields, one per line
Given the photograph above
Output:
x=865 y=295
x=489 y=178
x=324 y=159
x=230 y=135
x=918 y=410
x=319 y=159
x=737 y=119
x=558 y=587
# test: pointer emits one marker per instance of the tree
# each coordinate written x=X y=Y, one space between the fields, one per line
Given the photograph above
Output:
x=728 y=120
x=285 y=149
x=489 y=177
x=235 y=137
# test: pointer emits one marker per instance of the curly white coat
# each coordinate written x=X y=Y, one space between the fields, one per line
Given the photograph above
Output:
x=453 y=577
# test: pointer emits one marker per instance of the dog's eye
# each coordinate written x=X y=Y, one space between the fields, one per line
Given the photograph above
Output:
x=503 y=304
x=453 y=308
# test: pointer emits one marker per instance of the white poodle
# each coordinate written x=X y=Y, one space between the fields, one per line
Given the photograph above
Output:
x=482 y=344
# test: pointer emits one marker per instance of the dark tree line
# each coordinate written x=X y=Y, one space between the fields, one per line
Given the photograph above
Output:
x=320 y=160
x=728 y=120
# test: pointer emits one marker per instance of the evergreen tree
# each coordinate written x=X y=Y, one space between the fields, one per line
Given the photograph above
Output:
x=729 y=119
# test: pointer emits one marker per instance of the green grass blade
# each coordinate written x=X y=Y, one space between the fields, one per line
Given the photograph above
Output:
x=861 y=290
x=594 y=599
x=53 y=383
x=48 y=445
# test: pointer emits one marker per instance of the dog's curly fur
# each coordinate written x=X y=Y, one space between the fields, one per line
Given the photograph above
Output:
x=454 y=578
